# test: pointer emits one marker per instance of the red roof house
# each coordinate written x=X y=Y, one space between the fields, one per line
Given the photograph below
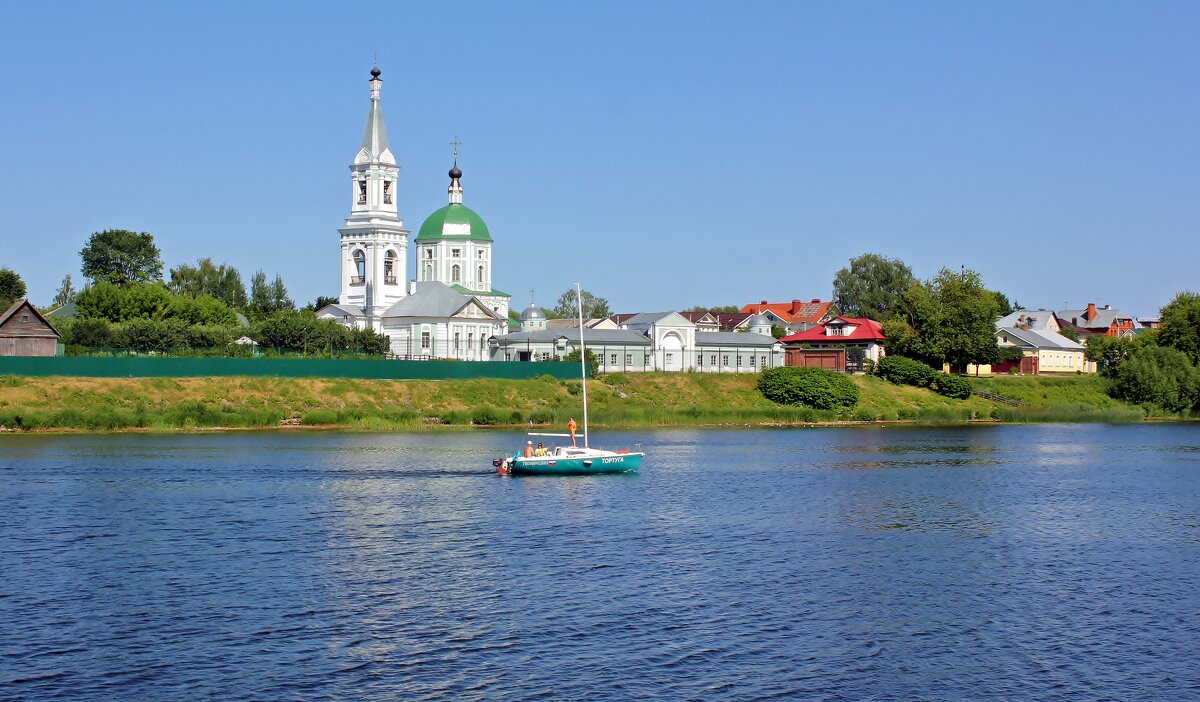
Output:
x=842 y=333
x=796 y=315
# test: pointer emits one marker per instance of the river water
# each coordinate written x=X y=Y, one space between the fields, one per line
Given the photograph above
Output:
x=1007 y=562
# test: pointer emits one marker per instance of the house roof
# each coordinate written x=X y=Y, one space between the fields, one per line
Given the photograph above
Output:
x=467 y=291
x=339 y=310
x=730 y=320
x=648 y=317
x=1103 y=319
x=1036 y=319
x=590 y=336
x=695 y=317
x=734 y=339
x=864 y=330
x=620 y=319
x=20 y=304
x=433 y=299
x=1039 y=339
x=794 y=311
x=67 y=311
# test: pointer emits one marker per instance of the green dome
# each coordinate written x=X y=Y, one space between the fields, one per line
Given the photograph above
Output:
x=454 y=221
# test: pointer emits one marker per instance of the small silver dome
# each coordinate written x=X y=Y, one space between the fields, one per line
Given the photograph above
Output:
x=532 y=312
x=758 y=320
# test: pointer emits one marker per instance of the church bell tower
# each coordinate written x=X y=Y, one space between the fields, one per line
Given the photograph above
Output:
x=374 y=242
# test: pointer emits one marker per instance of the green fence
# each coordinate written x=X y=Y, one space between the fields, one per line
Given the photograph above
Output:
x=158 y=367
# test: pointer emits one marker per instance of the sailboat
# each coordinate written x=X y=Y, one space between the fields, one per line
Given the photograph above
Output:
x=573 y=460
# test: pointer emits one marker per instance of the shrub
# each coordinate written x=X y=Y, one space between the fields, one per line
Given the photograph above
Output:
x=951 y=386
x=905 y=371
x=1158 y=375
x=812 y=387
x=486 y=416
x=93 y=333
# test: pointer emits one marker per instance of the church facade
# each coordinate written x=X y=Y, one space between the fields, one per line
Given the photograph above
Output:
x=449 y=309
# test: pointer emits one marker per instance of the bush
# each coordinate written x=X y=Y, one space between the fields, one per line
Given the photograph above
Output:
x=905 y=371
x=93 y=333
x=486 y=416
x=1158 y=375
x=951 y=386
x=812 y=387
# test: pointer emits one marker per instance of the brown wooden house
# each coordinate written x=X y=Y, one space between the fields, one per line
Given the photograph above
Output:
x=25 y=332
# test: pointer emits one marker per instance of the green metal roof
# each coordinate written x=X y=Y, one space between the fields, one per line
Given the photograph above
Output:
x=467 y=291
x=455 y=216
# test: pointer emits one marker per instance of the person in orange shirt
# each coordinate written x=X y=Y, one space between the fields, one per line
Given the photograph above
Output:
x=571 y=426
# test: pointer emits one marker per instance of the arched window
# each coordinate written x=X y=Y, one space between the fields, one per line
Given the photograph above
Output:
x=480 y=280
x=428 y=272
x=360 y=267
x=389 y=267
x=455 y=274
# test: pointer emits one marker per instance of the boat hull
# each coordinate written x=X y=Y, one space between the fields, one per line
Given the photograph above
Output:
x=585 y=465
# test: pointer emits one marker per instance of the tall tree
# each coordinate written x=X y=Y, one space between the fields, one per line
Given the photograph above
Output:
x=223 y=282
x=121 y=257
x=871 y=286
x=279 y=295
x=66 y=291
x=12 y=288
x=269 y=298
x=949 y=319
x=593 y=307
x=1181 y=325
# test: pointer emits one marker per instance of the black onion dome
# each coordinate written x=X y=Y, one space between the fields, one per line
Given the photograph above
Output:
x=375 y=72
x=454 y=172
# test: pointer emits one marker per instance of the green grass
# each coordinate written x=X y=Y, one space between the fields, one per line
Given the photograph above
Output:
x=620 y=400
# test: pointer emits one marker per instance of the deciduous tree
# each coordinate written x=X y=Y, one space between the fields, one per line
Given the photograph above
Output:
x=1181 y=325
x=12 y=288
x=949 y=319
x=593 y=307
x=66 y=291
x=871 y=286
x=121 y=257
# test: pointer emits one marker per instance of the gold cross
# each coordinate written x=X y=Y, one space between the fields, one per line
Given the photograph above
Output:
x=456 y=143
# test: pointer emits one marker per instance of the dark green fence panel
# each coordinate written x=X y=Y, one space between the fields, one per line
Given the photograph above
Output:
x=152 y=367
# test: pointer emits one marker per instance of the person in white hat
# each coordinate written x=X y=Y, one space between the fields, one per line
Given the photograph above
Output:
x=528 y=450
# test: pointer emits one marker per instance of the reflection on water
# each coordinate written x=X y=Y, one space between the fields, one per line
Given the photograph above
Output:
x=1035 y=563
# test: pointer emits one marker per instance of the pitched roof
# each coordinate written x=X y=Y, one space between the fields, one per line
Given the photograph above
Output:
x=719 y=338
x=647 y=317
x=1040 y=339
x=590 y=336
x=433 y=299
x=1036 y=319
x=1103 y=319
x=12 y=310
x=794 y=311
x=864 y=330
x=340 y=310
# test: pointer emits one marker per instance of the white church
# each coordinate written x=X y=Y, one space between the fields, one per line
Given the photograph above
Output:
x=449 y=309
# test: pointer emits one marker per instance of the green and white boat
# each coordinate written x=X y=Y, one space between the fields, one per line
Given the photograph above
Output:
x=573 y=460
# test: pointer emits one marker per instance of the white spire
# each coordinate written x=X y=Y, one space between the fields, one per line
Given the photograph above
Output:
x=375 y=140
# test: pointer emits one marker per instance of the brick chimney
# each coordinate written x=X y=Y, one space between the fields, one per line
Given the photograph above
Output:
x=796 y=304
x=1091 y=313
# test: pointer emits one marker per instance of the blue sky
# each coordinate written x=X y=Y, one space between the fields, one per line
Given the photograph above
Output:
x=663 y=154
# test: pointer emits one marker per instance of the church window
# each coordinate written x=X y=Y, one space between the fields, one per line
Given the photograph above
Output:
x=428 y=272
x=389 y=268
x=455 y=253
x=360 y=267
x=669 y=357
x=387 y=192
x=482 y=254
x=470 y=341
x=482 y=341
x=480 y=274
x=362 y=192
x=429 y=254
x=456 y=337
x=455 y=274
x=425 y=340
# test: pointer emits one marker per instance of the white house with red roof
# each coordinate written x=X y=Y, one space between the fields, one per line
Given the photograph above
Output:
x=795 y=316
x=843 y=333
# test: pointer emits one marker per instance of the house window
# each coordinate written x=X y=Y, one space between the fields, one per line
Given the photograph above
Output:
x=387 y=192
x=425 y=340
x=647 y=360
x=712 y=360
x=612 y=360
x=455 y=274
x=752 y=357
x=669 y=356
x=470 y=340
x=739 y=360
x=545 y=355
x=362 y=192
x=456 y=339
x=725 y=359
x=699 y=359
x=629 y=359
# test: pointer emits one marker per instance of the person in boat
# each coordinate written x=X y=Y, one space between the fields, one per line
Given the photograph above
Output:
x=528 y=453
x=540 y=450
x=571 y=427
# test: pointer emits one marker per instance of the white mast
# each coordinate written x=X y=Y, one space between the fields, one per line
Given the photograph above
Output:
x=582 y=360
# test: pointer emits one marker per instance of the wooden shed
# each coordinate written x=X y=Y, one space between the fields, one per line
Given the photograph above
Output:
x=25 y=332
x=832 y=359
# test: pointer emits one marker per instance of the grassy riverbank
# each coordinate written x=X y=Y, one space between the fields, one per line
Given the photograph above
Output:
x=618 y=400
